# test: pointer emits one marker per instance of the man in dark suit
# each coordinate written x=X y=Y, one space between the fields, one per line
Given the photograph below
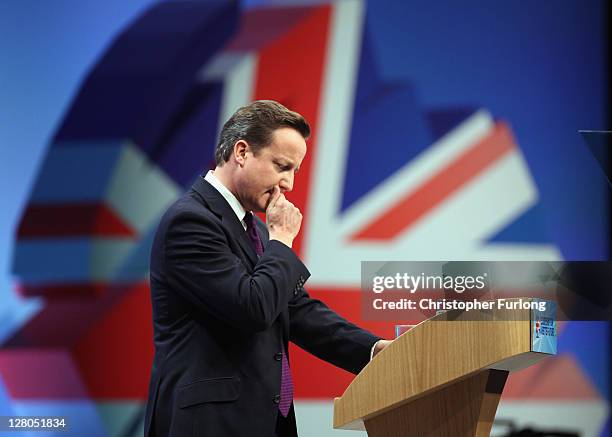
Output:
x=227 y=291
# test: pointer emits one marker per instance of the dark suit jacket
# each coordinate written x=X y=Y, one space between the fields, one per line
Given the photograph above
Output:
x=221 y=318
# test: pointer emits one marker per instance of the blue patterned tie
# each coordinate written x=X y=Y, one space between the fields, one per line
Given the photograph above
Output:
x=286 y=394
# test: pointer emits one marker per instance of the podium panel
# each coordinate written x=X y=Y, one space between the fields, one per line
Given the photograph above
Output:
x=445 y=376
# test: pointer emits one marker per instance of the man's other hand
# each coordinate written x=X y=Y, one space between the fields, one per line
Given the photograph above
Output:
x=380 y=345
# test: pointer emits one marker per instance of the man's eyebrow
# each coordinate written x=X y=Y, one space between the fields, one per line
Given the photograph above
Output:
x=284 y=162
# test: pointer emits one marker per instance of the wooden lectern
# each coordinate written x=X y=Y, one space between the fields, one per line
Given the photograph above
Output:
x=444 y=377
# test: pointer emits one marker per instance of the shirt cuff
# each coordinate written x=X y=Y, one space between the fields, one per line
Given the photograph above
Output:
x=372 y=350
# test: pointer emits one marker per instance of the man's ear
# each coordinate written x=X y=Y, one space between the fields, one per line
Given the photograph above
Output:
x=240 y=150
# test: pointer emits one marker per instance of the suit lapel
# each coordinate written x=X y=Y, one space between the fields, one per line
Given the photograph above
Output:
x=263 y=232
x=218 y=205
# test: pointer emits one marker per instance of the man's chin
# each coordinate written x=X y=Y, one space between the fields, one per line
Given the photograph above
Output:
x=259 y=207
x=265 y=201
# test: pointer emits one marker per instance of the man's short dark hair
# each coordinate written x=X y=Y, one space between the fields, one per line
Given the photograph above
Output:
x=255 y=124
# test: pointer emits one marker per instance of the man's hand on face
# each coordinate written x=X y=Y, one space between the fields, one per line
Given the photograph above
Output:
x=283 y=219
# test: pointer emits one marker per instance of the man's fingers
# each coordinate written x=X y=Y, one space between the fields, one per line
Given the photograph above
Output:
x=275 y=196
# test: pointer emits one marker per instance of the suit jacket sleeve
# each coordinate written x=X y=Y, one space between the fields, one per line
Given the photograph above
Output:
x=319 y=330
x=200 y=265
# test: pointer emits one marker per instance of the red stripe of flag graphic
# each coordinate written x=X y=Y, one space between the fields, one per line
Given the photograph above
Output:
x=410 y=209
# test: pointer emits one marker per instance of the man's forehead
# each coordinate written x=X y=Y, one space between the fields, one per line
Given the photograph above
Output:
x=287 y=143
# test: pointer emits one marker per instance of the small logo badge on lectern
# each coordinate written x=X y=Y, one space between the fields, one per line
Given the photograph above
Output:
x=544 y=329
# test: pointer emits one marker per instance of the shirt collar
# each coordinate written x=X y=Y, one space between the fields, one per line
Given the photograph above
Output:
x=227 y=195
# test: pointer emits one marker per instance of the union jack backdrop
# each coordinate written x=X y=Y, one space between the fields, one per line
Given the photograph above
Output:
x=440 y=132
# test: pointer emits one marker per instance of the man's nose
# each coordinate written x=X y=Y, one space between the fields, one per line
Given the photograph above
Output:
x=286 y=183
